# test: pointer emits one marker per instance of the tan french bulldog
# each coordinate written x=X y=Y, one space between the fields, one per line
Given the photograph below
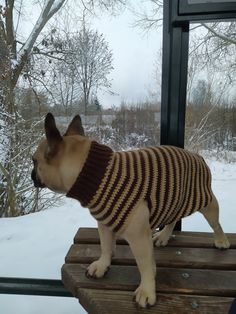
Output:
x=74 y=163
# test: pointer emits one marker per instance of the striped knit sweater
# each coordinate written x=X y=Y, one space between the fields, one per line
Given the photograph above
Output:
x=174 y=182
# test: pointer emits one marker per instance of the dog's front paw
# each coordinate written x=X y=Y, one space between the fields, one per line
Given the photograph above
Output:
x=97 y=269
x=145 y=296
x=222 y=242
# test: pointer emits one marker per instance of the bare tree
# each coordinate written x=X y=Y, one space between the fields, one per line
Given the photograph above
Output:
x=90 y=59
x=13 y=58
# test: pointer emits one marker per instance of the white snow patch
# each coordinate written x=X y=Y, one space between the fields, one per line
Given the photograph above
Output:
x=14 y=64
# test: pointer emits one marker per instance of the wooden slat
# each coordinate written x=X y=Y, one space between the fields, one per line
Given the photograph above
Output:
x=165 y=257
x=180 y=239
x=169 y=280
x=116 y=302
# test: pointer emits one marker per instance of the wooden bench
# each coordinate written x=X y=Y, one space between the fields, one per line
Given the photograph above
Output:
x=192 y=276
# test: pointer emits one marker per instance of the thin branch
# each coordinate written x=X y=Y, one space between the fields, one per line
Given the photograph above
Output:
x=221 y=36
x=48 y=54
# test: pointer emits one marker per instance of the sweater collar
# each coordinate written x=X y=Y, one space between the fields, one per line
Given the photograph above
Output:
x=91 y=175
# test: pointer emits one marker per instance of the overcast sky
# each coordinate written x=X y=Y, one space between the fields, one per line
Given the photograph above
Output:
x=134 y=58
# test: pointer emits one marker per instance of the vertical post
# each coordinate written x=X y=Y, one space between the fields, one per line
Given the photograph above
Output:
x=174 y=78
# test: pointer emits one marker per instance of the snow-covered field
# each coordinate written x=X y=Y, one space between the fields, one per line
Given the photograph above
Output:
x=35 y=245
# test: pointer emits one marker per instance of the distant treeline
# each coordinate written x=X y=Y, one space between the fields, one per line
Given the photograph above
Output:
x=131 y=125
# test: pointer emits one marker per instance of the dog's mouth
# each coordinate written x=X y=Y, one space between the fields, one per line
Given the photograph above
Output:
x=37 y=182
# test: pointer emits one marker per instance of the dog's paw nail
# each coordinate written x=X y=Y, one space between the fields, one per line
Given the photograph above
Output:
x=106 y=271
x=137 y=305
x=89 y=276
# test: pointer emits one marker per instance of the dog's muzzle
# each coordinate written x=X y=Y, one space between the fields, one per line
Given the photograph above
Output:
x=37 y=182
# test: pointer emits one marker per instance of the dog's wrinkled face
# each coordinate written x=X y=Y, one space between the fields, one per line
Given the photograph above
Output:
x=59 y=159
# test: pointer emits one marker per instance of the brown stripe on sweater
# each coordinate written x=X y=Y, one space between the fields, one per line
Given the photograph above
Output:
x=187 y=188
x=201 y=184
x=156 y=179
x=150 y=176
x=132 y=185
x=181 y=169
x=175 y=193
x=125 y=215
x=177 y=197
x=177 y=181
x=133 y=191
x=182 y=161
x=193 y=189
x=196 y=192
x=153 y=181
x=161 y=187
x=133 y=175
x=169 y=188
x=118 y=191
x=157 y=191
x=116 y=176
x=208 y=185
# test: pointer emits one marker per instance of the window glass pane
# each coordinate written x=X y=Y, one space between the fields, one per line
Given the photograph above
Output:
x=211 y=110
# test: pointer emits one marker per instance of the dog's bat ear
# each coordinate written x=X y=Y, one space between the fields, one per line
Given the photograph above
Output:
x=53 y=136
x=75 y=127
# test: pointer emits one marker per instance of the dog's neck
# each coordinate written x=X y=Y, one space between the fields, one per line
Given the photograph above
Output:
x=91 y=174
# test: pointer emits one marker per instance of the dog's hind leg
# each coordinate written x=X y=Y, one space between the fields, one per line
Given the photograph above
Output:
x=211 y=213
x=107 y=239
x=162 y=237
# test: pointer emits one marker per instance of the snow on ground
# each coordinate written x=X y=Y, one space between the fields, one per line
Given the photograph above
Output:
x=224 y=187
x=35 y=245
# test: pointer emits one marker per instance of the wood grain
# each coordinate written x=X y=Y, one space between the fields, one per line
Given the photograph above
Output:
x=116 y=302
x=168 y=280
x=180 y=239
x=165 y=257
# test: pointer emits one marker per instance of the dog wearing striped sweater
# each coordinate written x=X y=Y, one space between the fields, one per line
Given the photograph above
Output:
x=129 y=193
